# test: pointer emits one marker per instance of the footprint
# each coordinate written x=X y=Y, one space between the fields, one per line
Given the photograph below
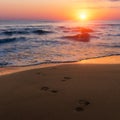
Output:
x=54 y=91
x=67 y=78
x=63 y=80
x=79 y=109
x=83 y=102
x=45 y=88
x=82 y=105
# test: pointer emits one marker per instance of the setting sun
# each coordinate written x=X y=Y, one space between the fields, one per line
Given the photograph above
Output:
x=83 y=16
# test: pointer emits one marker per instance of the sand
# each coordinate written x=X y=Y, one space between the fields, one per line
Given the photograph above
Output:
x=75 y=91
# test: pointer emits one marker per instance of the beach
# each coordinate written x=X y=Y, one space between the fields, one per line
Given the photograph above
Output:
x=85 y=90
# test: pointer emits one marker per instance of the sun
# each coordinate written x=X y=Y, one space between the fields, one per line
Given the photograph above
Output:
x=83 y=16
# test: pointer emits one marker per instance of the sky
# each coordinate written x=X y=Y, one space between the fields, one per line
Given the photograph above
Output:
x=59 y=9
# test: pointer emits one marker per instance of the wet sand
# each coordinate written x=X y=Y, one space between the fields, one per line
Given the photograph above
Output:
x=86 y=90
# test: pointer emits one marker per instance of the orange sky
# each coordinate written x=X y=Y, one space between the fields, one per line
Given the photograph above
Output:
x=59 y=9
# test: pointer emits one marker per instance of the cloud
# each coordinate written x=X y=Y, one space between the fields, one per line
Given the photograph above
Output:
x=98 y=4
x=85 y=0
x=101 y=7
x=95 y=0
x=114 y=0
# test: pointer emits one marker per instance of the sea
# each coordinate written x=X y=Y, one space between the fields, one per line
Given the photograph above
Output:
x=26 y=43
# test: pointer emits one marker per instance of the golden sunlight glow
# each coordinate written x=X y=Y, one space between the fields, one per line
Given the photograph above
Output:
x=83 y=16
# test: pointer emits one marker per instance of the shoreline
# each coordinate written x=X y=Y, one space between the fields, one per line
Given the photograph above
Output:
x=115 y=59
x=73 y=91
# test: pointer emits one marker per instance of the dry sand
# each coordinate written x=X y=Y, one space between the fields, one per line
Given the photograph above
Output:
x=76 y=91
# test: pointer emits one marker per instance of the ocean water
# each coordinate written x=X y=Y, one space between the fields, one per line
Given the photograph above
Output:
x=25 y=43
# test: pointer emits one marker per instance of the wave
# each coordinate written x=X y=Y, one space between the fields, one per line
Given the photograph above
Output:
x=25 y=31
x=111 y=46
x=113 y=34
x=14 y=32
x=84 y=37
x=40 y=32
x=50 y=42
x=8 y=40
x=113 y=24
x=6 y=64
x=76 y=29
x=2 y=64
